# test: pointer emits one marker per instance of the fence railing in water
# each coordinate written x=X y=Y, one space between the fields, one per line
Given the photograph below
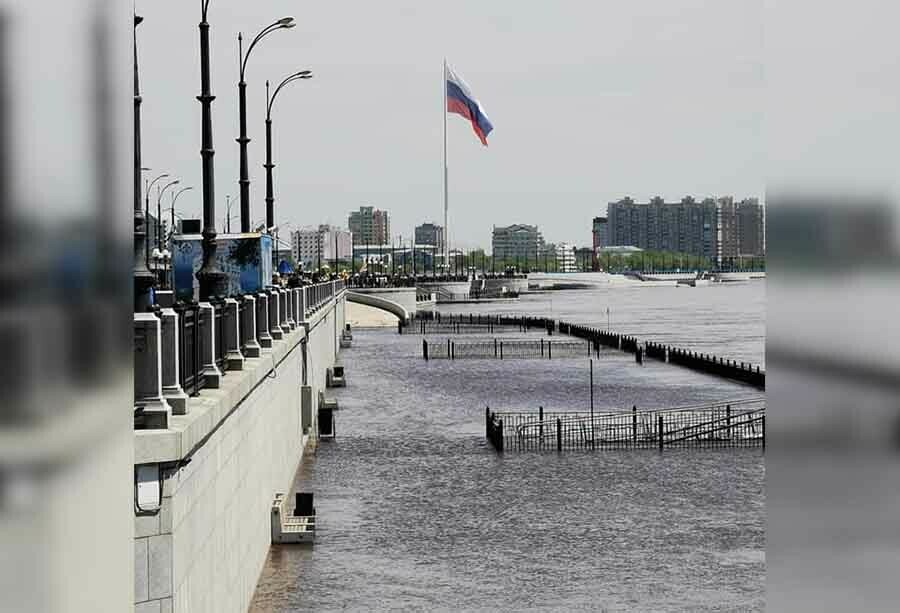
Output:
x=710 y=364
x=500 y=349
x=435 y=323
x=738 y=423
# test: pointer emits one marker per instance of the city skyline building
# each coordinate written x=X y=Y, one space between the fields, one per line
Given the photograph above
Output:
x=430 y=234
x=370 y=226
x=751 y=226
x=323 y=244
x=715 y=228
x=517 y=242
x=565 y=257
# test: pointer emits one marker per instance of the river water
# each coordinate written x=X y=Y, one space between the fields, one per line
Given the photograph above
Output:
x=417 y=512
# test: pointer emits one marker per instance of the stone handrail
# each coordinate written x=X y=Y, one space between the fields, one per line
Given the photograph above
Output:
x=164 y=359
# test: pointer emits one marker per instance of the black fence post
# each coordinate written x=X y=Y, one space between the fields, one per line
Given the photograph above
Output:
x=495 y=347
x=501 y=350
x=728 y=420
x=549 y=350
x=660 y=427
x=541 y=424
x=425 y=349
x=634 y=425
x=558 y=434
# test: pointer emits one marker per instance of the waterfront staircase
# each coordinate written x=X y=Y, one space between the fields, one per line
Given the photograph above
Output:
x=300 y=527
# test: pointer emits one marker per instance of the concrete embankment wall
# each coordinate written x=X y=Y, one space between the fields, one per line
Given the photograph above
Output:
x=400 y=304
x=222 y=464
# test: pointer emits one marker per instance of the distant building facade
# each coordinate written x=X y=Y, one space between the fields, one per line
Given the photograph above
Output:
x=751 y=228
x=600 y=232
x=517 y=242
x=324 y=244
x=565 y=258
x=430 y=234
x=711 y=228
x=600 y=235
x=370 y=226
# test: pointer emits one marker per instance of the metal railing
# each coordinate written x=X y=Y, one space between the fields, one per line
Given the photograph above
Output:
x=190 y=364
x=430 y=322
x=506 y=349
x=219 y=336
x=737 y=423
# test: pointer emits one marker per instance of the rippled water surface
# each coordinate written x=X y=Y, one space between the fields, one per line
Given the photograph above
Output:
x=417 y=512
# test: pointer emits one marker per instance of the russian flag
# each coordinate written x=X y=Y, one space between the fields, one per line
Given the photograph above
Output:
x=461 y=101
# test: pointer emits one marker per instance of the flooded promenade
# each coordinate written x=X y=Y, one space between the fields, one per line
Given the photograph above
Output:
x=417 y=511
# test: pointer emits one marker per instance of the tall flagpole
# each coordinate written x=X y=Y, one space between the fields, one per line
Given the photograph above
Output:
x=446 y=226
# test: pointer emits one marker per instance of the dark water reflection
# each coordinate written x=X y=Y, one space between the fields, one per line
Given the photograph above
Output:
x=417 y=512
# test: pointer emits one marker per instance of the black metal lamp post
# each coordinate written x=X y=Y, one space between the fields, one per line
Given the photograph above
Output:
x=210 y=278
x=270 y=197
x=283 y=23
x=148 y=185
x=143 y=278
x=159 y=193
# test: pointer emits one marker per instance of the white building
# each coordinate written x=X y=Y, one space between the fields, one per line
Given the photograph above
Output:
x=314 y=246
x=565 y=258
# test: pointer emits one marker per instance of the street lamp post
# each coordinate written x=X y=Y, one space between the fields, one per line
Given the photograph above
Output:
x=228 y=214
x=174 y=199
x=143 y=278
x=148 y=186
x=270 y=196
x=244 y=181
x=210 y=278
x=159 y=193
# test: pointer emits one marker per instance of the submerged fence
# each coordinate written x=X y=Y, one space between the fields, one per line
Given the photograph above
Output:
x=738 y=423
x=505 y=349
x=710 y=364
x=435 y=323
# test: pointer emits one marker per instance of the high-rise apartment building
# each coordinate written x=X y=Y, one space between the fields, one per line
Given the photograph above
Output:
x=370 y=226
x=751 y=228
x=518 y=241
x=716 y=229
x=726 y=223
x=430 y=234
x=325 y=244
x=600 y=233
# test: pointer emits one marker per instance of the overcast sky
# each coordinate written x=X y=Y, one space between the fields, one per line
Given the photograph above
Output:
x=590 y=101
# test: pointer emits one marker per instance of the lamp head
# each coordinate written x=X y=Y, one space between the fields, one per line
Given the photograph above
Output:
x=286 y=22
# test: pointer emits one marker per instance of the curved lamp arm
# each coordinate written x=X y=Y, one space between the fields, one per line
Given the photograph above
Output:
x=303 y=74
x=153 y=182
x=163 y=190
x=283 y=23
x=178 y=193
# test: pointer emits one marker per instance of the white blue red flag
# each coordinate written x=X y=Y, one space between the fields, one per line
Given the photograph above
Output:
x=461 y=101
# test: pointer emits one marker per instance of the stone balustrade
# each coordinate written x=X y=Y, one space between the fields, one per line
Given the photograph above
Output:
x=180 y=350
